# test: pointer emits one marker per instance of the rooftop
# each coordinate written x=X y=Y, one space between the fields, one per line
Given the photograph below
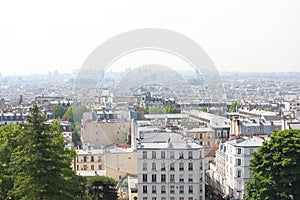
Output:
x=246 y=142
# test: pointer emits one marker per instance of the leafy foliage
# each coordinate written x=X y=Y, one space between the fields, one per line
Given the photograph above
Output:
x=165 y=110
x=102 y=187
x=8 y=143
x=59 y=111
x=37 y=165
x=234 y=107
x=75 y=113
x=276 y=168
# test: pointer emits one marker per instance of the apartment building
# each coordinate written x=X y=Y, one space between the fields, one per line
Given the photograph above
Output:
x=231 y=172
x=89 y=162
x=206 y=136
x=292 y=105
x=170 y=166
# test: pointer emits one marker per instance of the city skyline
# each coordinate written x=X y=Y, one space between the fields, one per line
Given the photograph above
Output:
x=245 y=37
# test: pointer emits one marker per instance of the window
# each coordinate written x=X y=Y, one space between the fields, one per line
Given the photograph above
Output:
x=92 y=159
x=144 y=166
x=190 y=155
x=181 y=166
x=153 y=188
x=190 y=166
x=172 y=168
x=153 y=154
x=225 y=133
x=191 y=198
x=162 y=154
x=145 y=198
x=181 y=189
x=239 y=162
x=144 y=154
x=181 y=155
x=190 y=189
x=144 y=177
x=172 y=189
x=163 y=189
x=154 y=198
x=181 y=178
x=239 y=173
x=163 y=198
x=181 y=198
x=153 y=166
x=99 y=159
x=172 y=154
x=84 y=159
x=153 y=178
x=162 y=178
x=99 y=167
x=163 y=167
x=144 y=189
x=190 y=177
x=239 y=151
x=85 y=167
x=92 y=167
x=172 y=177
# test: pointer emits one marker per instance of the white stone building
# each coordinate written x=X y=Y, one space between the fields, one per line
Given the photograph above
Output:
x=170 y=166
x=220 y=167
x=238 y=155
x=292 y=105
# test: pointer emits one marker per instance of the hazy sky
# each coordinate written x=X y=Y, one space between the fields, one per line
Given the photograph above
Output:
x=39 y=36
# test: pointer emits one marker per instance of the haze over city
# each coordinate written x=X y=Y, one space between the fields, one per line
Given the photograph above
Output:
x=253 y=36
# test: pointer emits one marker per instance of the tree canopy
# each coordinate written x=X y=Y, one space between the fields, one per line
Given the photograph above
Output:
x=164 y=110
x=36 y=164
x=8 y=143
x=276 y=168
x=75 y=113
x=102 y=187
x=59 y=111
x=234 y=107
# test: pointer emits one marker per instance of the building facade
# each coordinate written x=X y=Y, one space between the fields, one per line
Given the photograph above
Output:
x=238 y=154
x=89 y=162
x=170 y=169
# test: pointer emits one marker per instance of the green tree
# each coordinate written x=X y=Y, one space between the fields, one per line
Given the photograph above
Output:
x=234 y=107
x=165 y=110
x=59 y=111
x=8 y=143
x=170 y=109
x=103 y=187
x=276 y=168
x=40 y=164
x=204 y=109
x=75 y=113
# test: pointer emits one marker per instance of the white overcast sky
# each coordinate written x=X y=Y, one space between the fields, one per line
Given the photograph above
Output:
x=257 y=35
